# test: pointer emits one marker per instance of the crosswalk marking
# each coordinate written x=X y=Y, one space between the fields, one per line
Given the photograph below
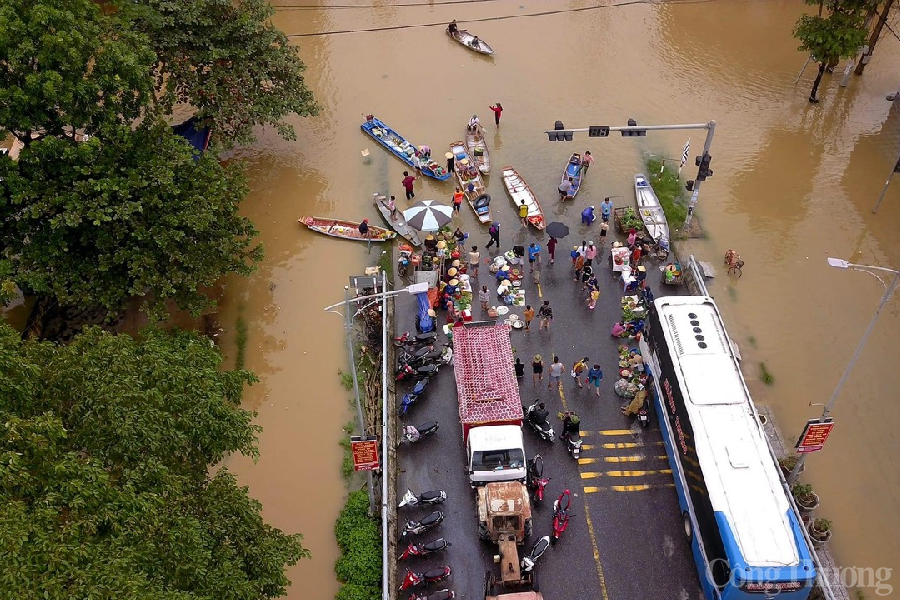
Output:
x=589 y=489
x=596 y=474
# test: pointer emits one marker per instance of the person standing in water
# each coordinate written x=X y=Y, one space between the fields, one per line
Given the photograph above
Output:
x=497 y=111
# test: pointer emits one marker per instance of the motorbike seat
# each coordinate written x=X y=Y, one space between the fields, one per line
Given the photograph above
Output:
x=438 y=573
x=427 y=426
x=430 y=496
x=435 y=517
x=435 y=545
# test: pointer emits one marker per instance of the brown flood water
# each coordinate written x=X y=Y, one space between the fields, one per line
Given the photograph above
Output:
x=793 y=183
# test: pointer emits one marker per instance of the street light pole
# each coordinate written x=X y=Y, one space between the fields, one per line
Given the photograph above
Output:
x=887 y=183
x=888 y=292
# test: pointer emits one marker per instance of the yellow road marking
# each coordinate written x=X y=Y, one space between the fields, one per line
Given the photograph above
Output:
x=587 y=447
x=626 y=488
x=616 y=432
x=600 y=576
x=596 y=474
x=590 y=524
x=540 y=293
x=615 y=459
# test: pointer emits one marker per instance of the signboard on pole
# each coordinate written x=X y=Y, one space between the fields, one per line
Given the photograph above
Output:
x=814 y=435
x=365 y=452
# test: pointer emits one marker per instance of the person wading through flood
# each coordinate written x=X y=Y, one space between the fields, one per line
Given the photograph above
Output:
x=497 y=110
x=494 y=232
x=408 y=185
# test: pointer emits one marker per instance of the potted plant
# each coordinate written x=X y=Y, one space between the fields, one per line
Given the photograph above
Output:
x=807 y=500
x=787 y=464
x=820 y=532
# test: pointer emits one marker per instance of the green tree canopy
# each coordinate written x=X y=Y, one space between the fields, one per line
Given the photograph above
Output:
x=131 y=212
x=226 y=59
x=837 y=35
x=66 y=65
x=104 y=456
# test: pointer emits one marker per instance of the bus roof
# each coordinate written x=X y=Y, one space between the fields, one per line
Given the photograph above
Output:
x=740 y=474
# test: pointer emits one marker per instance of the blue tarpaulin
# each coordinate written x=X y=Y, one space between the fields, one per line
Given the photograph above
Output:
x=425 y=322
x=198 y=138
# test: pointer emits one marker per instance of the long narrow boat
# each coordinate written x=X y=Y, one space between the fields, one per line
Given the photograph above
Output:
x=649 y=208
x=347 y=230
x=467 y=173
x=399 y=225
x=397 y=145
x=468 y=40
x=518 y=191
x=573 y=171
x=478 y=150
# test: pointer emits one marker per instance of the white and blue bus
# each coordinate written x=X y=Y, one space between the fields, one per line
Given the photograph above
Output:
x=746 y=538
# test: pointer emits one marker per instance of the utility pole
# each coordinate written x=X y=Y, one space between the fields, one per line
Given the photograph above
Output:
x=559 y=133
x=873 y=39
x=887 y=183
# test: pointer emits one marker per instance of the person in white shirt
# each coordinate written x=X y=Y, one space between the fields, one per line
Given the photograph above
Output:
x=564 y=188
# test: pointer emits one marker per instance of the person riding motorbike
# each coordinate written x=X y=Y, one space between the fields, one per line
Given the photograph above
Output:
x=571 y=424
x=539 y=415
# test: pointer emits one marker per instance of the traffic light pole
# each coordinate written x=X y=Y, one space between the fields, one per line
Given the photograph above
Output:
x=635 y=130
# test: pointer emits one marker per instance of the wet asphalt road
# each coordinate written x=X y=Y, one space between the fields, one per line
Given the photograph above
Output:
x=625 y=539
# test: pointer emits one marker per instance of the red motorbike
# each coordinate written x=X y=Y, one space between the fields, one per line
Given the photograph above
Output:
x=425 y=549
x=443 y=594
x=431 y=576
x=560 y=515
x=536 y=481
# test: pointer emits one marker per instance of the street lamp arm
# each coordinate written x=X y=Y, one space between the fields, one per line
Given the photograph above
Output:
x=416 y=288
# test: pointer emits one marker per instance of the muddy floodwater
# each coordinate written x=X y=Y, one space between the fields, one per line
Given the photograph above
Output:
x=793 y=184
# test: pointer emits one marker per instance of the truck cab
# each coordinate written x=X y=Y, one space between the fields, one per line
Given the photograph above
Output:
x=495 y=453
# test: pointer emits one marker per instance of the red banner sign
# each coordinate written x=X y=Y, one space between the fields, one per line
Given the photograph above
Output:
x=814 y=435
x=365 y=453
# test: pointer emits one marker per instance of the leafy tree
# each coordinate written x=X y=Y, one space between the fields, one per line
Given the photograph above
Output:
x=835 y=36
x=104 y=456
x=228 y=60
x=358 y=536
x=66 y=65
x=127 y=213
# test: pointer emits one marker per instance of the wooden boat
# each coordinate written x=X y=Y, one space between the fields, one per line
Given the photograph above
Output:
x=468 y=40
x=649 y=209
x=519 y=190
x=400 y=225
x=573 y=170
x=467 y=173
x=347 y=230
x=478 y=150
x=397 y=145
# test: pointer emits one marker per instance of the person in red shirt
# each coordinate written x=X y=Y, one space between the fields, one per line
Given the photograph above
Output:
x=458 y=196
x=497 y=110
x=408 y=185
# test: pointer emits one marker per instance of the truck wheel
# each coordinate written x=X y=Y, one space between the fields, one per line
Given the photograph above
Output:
x=688 y=527
x=535 y=587
x=489 y=584
x=529 y=527
x=483 y=533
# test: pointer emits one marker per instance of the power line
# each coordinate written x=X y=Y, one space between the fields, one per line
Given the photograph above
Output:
x=500 y=18
x=345 y=6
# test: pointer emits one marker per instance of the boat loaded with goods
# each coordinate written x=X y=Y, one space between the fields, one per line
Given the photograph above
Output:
x=467 y=173
x=397 y=145
x=519 y=190
x=348 y=230
x=477 y=148
x=573 y=172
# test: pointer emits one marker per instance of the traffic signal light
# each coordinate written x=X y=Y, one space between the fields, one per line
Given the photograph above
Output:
x=639 y=132
x=559 y=133
x=703 y=163
x=689 y=186
x=598 y=131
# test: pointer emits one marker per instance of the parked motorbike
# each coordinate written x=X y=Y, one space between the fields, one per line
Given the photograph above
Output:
x=413 y=434
x=537 y=551
x=422 y=525
x=443 y=594
x=407 y=372
x=431 y=576
x=423 y=499
x=643 y=416
x=539 y=423
x=412 y=397
x=415 y=357
x=535 y=481
x=560 y=515
x=418 y=340
x=425 y=549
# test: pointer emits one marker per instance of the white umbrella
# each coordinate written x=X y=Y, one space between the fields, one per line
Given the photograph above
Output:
x=428 y=215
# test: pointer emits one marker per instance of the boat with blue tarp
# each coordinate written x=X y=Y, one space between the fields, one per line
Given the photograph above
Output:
x=397 y=145
x=572 y=171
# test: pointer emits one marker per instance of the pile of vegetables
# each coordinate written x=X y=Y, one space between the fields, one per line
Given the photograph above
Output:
x=631 y=219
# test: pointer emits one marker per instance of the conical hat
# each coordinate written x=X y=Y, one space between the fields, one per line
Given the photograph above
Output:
x=454 y=282
x=448 y=155
x=451 y=271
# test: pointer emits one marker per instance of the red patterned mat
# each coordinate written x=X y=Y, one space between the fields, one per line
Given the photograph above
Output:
x=485 y=380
